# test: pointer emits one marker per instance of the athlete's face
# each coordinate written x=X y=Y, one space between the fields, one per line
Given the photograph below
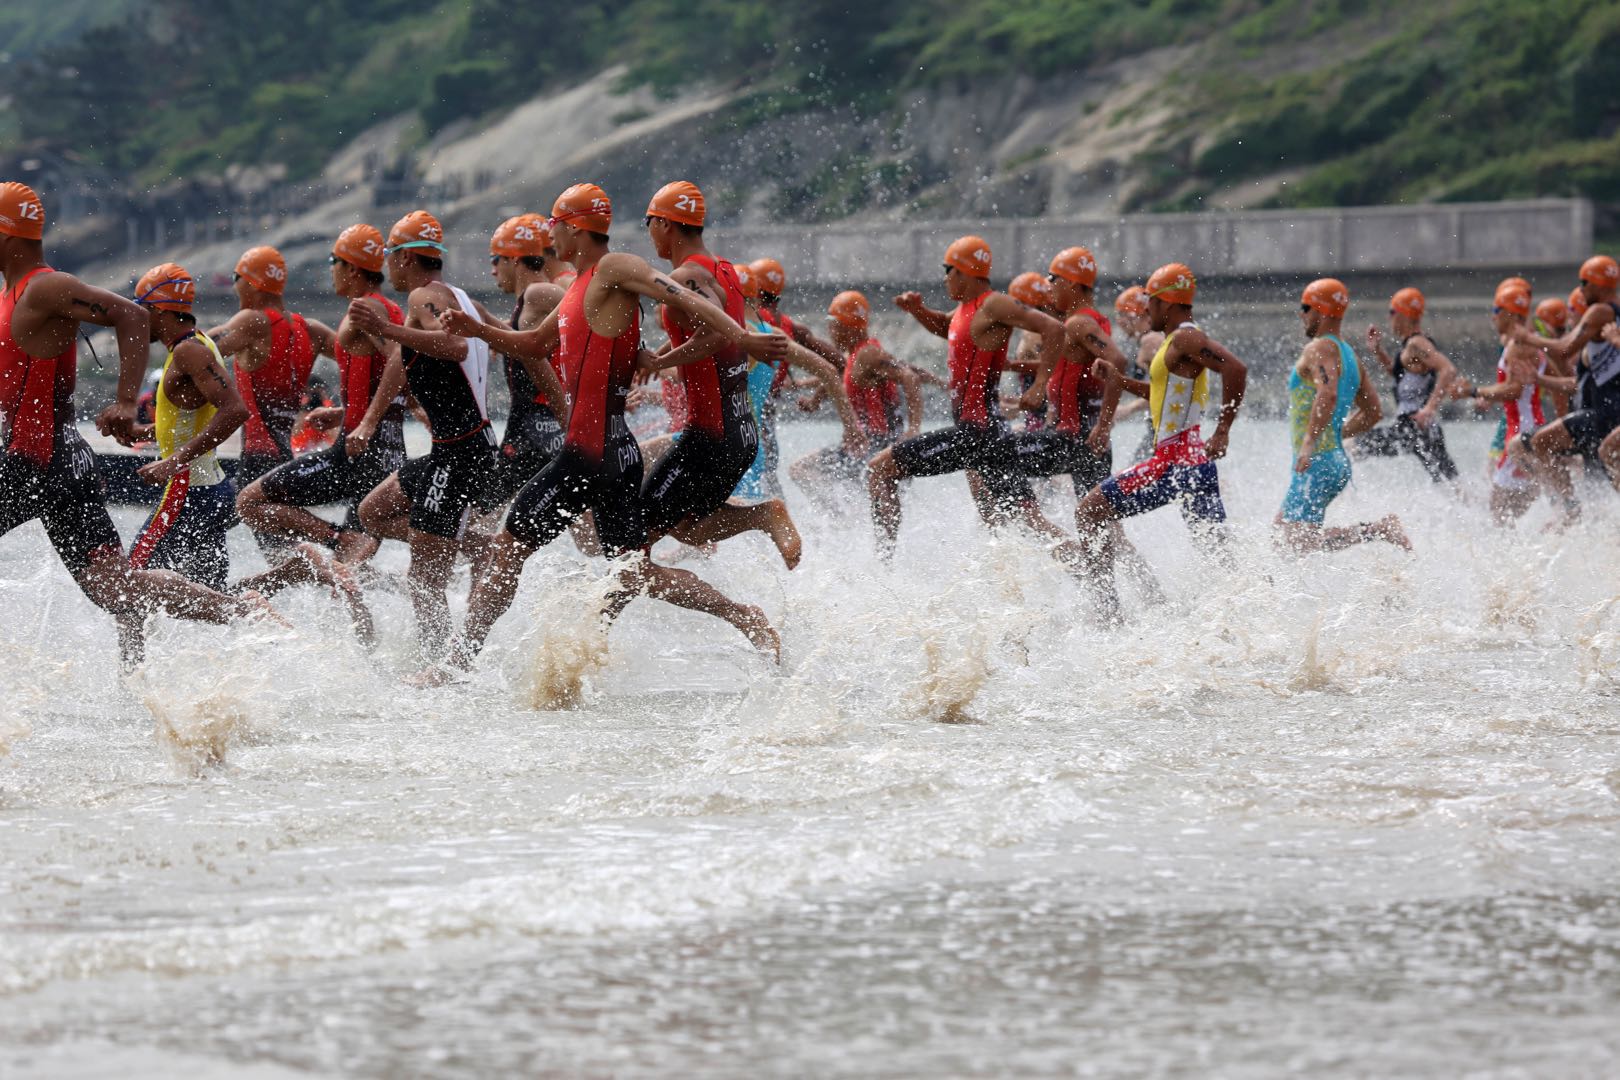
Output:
x=399 y=269
x=1503 y=320
x=1312 y=320
x=845 y=337
x=504 y=270
x=957 y=284
x=1134 y=323
x=1158 y=313
x=565 y=237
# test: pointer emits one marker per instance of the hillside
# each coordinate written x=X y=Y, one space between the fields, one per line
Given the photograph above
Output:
x=893 y=108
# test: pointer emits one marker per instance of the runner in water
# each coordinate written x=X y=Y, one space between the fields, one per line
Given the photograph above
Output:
x=1513 y=485
x=978 y=333
x=522 y=268
x=48 y=472
x=196 y=409
x=872 y=382
x=1595 y=386
x=686 y=492
x=1423 y=379
x=1330 y=398
x=427 y=501
x=1033 y=291
x=1142 y=341
x=1552 y=321
x=372 y=444
x=272 y=353
x=1182 y=469
x=596 y=334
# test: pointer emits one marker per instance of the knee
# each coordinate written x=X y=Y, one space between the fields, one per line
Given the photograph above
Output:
x=249 y=498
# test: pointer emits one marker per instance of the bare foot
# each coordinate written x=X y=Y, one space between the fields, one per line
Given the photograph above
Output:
x=257 y=608
x=760 y=633
x=430 y=677
x=356 y=547
x=1389 y=527
x=340 y=578
x=784 y=534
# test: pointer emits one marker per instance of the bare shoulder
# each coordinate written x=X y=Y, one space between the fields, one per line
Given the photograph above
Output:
x=621 y=265
x=543 y=295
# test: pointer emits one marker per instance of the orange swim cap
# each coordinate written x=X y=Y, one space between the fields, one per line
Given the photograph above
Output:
x=746 y=281
x=680 y=202
x=418 y=231
x=1554 y=312
x=970 y=255
x=1602 y=271
x=1516 y=283
x=264 y=269
x=851 y=309
x=772 y=278
x=1409 y=302
x=524 y=236
x=1511 y=298
x=1577 y=302
x=1326 y=295
x=362 y=246
x=21 y=213
x=584 y=206
x=1076 y=264
x=167 y=287
x=1133 y=301
x=1031 y=289
x=1173 y=283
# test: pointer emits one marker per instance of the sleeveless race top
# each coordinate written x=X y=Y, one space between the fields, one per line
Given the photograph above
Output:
x=453 y=395
x=1176 y=402
x=1302 y=395
x=362 y=374
x=877 y=408
x=175 y=426
x=975 y=372
x=599 y=373
x=717 y=400
x=274 y=393
x=1412 y=388
x=1595 y=384
x=36 y=395
x=1074 y=390
x=1526 y=408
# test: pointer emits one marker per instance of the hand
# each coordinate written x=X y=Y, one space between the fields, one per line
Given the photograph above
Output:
x=324 y=419
x=1611 y=334
x=366 y=318
x=1424 y=416
x=1098 y=441
x=771 y=348
x=1375 y=337
x=117 y=421
x=161 y=472
x=1032 y=399
x=460 y=324
x=1102 y=369
x=1461 y=388
x=357 y=441
x=808 y=404
x=911 y=432
x=1216 y=447
x=646 y=362
x=909 y=302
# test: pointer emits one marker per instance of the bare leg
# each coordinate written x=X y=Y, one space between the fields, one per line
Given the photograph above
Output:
x=1304 y=536
x=1609 y=455
x=1549 y=443
x=883 y=487
x=583 y=530
x=685 y=589
x=1136 y=568
x=491 y=596
x=262 y=515
x=1095 y=518
x=386 y=512
x=771 y=518
x=432 y=559
x=309 y=565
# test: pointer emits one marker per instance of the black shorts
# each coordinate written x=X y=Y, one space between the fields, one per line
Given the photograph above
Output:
x=573 y=484
x=443 y=485
x=1427 y=444
x=332 y=478
x=988 y=451
x=533 y=438
x=249 y=467
x=68 y=497
x=1587 y=428
x=186 y=533
x=1048 y=452
x=695 y=478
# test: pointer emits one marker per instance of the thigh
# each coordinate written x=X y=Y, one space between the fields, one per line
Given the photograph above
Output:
x=936 y=453
x=71 y=506
x=1042 y=453
x=442 y=486
x=692 y=480
x=313 y=480
x=1198 y=490
x=545 y=506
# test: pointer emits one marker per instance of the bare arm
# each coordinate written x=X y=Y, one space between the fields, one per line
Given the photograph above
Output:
x=322 y=338
x=536 y=344
x=198 y=364
x=55 y=303
x=244 y=337
x=1369 y=408
x=937 y=323
x=389 y=387
x=1196 y=347
x=832 y=386
x=1444 y=370
x=427 y=337
x=634 y=275
x=817 y=345
x=1375 y=340
x=1005 y=310
x=1315 y=367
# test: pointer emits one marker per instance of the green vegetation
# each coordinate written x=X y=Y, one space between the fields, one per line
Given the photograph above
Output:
x=1362 y=100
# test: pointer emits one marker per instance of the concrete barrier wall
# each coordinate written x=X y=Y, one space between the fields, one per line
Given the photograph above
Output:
x=1516 y=235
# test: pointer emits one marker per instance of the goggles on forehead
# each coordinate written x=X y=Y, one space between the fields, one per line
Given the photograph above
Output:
x=433 y=244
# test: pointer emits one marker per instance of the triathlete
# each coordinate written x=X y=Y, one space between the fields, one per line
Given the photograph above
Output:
x=47 y=471
x=427 y=501
x=1514 y=485
x=272 y=353
x=1330 y=398
x=1595 y=408
x=1423 y=379
x=596 y=333
x=372 y=443
x=872 y=381
x=977 y=333
x=1182 y=469
x=1141 y=342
